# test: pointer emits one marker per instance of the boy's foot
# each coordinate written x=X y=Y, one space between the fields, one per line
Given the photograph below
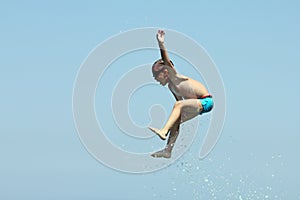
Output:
x=162 y=136
x=162 y=154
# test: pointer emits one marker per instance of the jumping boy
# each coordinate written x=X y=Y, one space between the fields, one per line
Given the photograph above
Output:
x=192 y=97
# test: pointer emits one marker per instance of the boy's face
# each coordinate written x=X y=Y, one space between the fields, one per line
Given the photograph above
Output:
x=162 y=76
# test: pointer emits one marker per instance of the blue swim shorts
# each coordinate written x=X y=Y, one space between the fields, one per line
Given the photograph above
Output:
x=207 y=104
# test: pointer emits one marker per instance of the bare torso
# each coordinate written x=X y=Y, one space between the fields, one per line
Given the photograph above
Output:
x=186 y=87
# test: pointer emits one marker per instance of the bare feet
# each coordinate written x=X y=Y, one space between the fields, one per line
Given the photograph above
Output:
x=162 y=154
x=158 y=132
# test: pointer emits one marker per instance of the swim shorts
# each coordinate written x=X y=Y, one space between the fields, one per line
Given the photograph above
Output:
x=207 y=104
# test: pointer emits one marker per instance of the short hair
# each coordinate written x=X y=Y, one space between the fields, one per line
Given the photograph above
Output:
x=157 y=69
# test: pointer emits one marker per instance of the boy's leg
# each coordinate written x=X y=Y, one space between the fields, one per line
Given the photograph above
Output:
x=189 y=108
x=167 y=151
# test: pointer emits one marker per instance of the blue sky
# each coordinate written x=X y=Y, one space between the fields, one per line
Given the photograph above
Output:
x=255 y=46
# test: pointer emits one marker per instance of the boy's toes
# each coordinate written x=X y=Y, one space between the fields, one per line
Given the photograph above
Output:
x=155 y=130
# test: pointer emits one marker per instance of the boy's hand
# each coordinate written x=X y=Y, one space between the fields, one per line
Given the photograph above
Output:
x=160 y=36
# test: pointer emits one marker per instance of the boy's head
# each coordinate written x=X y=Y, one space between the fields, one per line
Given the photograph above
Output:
x=160 y=72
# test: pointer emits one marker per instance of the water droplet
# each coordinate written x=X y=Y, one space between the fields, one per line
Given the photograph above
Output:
x=267 y=164
x=279 y=156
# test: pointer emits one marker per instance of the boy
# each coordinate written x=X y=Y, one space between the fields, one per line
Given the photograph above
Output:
x=192 y=98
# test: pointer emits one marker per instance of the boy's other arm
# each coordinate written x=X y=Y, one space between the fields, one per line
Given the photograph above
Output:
x=178 y=98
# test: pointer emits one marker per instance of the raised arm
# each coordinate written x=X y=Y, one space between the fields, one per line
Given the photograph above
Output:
x=160 y=36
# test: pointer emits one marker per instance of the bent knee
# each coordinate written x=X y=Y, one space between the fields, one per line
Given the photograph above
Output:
x=177 y=105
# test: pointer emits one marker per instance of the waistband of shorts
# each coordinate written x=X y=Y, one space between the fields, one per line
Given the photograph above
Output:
x=206 y=96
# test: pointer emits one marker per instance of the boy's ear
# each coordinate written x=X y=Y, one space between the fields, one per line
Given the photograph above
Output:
x=170 y=70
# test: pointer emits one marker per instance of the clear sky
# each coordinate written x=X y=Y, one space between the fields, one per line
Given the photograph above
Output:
x=255 y=46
